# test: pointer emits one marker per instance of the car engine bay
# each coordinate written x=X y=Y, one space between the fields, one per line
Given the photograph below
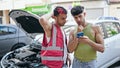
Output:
x=25 y=57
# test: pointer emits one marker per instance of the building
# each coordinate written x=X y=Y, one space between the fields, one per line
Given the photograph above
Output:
x=94 y=8
x=8 y=5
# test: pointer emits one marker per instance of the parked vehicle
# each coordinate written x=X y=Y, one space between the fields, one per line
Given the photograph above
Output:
x=110 y=27
x=11 y=38
x=27 y=56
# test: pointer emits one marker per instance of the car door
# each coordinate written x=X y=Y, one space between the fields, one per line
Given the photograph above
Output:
x=116 y=41
x=101 y=57
x=111 y=37
x=6 y=39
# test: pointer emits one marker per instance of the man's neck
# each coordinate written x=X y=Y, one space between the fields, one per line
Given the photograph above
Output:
x=84 y=24
x=57 y=25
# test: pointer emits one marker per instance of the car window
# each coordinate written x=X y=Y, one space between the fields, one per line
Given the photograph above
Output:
x=6 y=30
x=118 y=26
x=3 y=30
x=111 y=28
x=12 y=30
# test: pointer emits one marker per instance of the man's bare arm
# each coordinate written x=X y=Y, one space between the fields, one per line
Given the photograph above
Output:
x=45 y=23
x=99 y=44
x=73 y=42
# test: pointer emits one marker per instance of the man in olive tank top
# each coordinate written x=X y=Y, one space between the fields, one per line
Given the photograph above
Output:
x=84 y=47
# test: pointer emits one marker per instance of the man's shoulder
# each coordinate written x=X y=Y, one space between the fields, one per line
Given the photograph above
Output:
x=94 y=25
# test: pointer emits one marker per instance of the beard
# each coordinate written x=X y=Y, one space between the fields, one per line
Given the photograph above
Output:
x=61 y=23
x=81 y=22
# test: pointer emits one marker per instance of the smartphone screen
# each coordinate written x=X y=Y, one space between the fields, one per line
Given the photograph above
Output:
x=80 y=34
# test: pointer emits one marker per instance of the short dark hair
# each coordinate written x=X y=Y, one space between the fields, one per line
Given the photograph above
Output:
x=59 y=10
x=77 y=10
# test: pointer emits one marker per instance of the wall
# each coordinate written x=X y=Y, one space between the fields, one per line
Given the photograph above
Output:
x=94 y=9
x=114 y=10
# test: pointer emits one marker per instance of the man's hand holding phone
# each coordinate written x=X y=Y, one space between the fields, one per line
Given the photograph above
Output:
x=80 y=34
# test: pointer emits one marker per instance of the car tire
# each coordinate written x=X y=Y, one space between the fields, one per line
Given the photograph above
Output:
x=17 y=46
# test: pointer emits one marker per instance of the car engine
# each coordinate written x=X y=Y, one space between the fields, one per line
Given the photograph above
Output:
x=25 y=57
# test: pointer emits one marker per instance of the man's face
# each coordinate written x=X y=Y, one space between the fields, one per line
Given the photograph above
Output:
x=80 y=18
x=61 y=19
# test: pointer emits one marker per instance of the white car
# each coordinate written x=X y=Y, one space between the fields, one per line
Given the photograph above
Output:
x=111 y=32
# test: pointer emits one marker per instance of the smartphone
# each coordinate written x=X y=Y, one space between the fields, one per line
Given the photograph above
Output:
x=80 y=34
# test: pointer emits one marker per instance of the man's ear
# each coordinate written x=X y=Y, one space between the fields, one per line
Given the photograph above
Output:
x=53 y=16
x=84 y=13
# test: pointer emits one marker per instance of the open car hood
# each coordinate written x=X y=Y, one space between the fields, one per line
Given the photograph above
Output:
x=28 y=21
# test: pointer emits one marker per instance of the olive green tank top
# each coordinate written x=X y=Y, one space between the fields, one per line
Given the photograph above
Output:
x=85 y=52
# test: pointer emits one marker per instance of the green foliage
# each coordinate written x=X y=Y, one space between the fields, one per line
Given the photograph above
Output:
x=112 y=31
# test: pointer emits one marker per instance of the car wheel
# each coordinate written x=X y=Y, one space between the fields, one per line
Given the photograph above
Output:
x=17 y=46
